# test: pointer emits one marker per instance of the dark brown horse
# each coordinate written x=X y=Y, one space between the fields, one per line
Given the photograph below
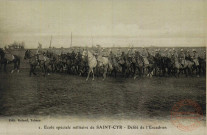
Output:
x=6 y=58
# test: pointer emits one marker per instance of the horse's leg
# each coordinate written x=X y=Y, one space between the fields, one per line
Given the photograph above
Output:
x=0 y=63
x=47 y=69
x=185 y=71
x=18 y=65
x=197 y=71
x=31 y=70
x=5 y=64
x=143 y=71
x=135 y=73
x=104 y=74
x=44 y=69
x=13 y=68
x=179 y=71
x=93 y=74
x=88 y=74
x=115 y=72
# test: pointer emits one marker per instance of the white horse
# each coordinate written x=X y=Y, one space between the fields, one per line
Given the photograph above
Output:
x=93 y=62
x=186 y=65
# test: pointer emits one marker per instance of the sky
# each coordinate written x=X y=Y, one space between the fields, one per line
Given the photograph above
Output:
x=105 y=22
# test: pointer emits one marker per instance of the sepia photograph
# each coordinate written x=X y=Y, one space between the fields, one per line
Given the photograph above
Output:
x=103 y=67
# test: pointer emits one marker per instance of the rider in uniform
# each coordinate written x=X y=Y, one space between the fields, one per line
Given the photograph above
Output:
x=144 y=55
x=37 y=56
x=174 y=54
x=169 y=55
x=123 y=56
x=153 y=53
x=204 y=56
x=188 y=56
x=182 y=57
x=111 y=56
x=195 y=57
x=157 y=54
x=118 y=53
x=164 y=53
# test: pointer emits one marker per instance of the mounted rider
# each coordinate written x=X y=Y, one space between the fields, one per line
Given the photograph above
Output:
x=157 y=54
x=111 y=56
x=181 y=57
x=169 y=54
x=144 y=55
x=129 y=55
x=118 y=53
x=163 y=53
x=37 y=56
x=174 y=54
x=188 y=56
x=123 y=56
x=98 y=53
x=195 y=57
x=153 y=53
x=204 y=56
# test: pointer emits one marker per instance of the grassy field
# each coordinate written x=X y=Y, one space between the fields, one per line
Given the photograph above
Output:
x=60 y=94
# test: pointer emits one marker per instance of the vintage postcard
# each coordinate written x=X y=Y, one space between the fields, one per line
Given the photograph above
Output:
x=104 y=67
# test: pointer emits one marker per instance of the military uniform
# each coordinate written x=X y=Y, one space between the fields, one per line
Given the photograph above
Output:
x=175 y=55
x=157 y=55
x=195 y=58
x=144 y=55
x=118 y=53
x=163 y=54
x=182 y=58
x=188 y=56
x=169 y=55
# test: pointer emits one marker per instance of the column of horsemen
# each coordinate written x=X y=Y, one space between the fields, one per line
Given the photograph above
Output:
x=129 y=63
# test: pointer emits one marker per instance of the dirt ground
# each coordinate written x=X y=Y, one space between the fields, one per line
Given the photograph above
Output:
x=61 y=94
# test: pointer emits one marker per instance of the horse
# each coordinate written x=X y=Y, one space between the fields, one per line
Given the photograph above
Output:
x=35 y=60
x=55 y=63
x=165 y=66
x=138 y=65
x=92 y=62
x=115 y=67
x=44 y=62
x=7 y=58
x=186 y=66
x=101 y=62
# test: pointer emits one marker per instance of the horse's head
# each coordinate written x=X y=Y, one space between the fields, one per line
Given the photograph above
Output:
x=9 y=57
